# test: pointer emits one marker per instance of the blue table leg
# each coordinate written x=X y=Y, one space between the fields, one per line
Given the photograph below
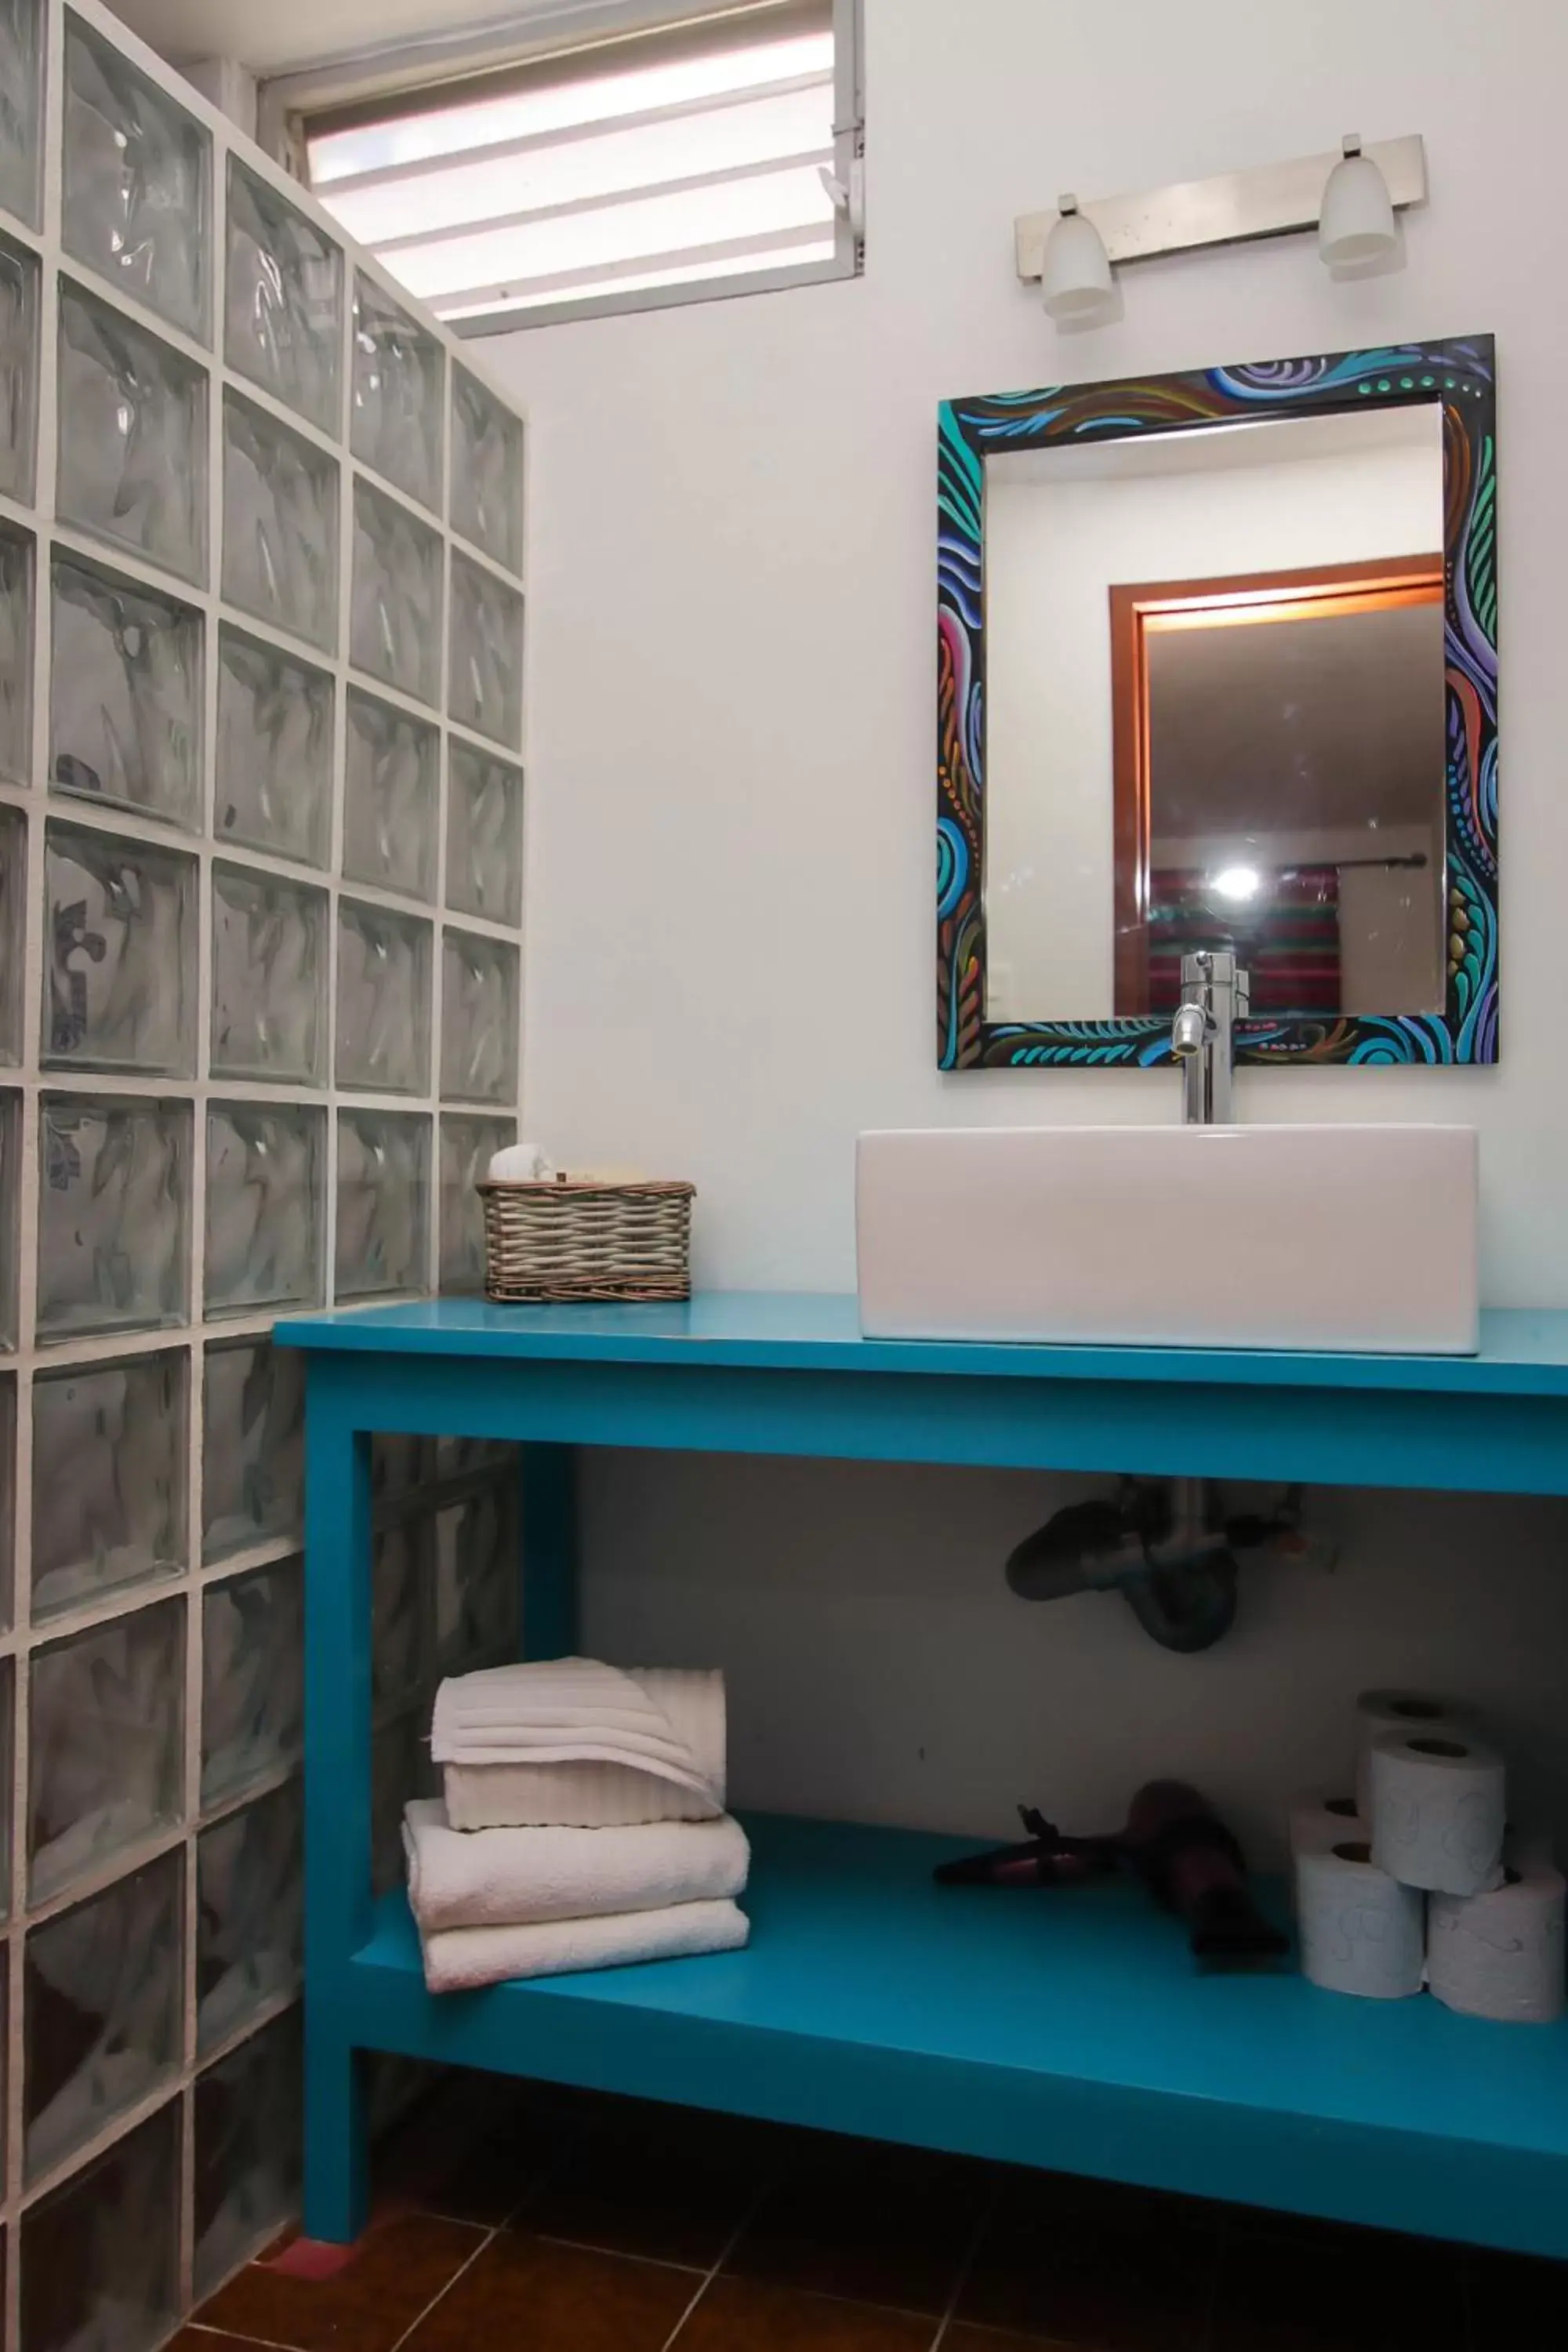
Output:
x=548 y=1568
x=337 y=1795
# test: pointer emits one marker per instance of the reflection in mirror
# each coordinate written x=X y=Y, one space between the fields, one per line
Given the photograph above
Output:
x=1216 y=717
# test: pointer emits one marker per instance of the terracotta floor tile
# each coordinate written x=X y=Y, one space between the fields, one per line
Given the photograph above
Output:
x=397 y=2268
x=965 y=2338
x=882 y=2225
x=740 y=2314
x=1067 y=2264
x=1517 y=2303
x=659 y=2182
x=525 y=2295
x=207 y=2340
x=1341 y=2290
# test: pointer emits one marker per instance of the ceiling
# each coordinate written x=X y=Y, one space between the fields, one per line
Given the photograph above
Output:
x=269 y=36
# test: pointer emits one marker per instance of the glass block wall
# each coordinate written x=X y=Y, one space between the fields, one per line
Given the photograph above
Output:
x=260 y=897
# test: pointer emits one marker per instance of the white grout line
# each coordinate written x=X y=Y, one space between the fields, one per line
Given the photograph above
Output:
x=488 y=2239
x=731 y=2242
x=986 y=2216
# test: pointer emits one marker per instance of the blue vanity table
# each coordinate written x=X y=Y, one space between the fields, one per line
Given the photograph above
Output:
x=1068 y=2031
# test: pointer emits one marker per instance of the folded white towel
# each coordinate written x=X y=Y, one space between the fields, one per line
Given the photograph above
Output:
x=570 y=1743
x=459 y=1960
x=512 y=1877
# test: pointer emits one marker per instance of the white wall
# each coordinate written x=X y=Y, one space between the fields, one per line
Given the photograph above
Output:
x=1053 y=551
x=730 y=933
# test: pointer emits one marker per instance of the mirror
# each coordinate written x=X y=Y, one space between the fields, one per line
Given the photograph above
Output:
x=1218 y=669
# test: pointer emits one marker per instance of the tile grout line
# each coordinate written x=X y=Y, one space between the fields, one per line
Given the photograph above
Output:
x=986 y=2216
x=204 y=2328
x=728 y=2248
x=462 y=2270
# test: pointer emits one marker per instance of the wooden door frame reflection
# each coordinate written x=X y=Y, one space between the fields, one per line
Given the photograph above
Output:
x=1307 y=592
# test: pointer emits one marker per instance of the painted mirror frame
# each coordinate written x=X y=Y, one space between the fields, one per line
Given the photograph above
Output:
x=1460 y=374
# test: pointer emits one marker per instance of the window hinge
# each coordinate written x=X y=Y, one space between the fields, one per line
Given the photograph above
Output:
x=848 y=198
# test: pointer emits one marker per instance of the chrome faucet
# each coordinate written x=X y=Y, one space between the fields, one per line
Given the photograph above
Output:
x=1215 y=996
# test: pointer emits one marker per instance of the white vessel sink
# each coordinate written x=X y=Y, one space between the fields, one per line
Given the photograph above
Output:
x=1357 y=1238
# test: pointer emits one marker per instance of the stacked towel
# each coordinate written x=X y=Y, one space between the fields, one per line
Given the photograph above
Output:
x=583 y=1824
x=575 y=1744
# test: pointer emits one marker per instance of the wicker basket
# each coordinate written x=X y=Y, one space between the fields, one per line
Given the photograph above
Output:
x=561 y=1240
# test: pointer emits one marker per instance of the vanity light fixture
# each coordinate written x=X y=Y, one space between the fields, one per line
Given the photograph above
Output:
x=1349 y=198
x=1356 y=224
x=1075 y=269
x=1237 y=882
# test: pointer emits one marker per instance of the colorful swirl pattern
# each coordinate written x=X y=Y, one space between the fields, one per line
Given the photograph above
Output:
x=1461 y=375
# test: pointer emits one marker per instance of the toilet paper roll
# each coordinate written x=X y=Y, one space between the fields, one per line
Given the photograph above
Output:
x=1319 y=1819
x=1323 y=1817
x=1360 y=1931
x=1437 y=1811
x=1500 y=1955
x=1378 y=1711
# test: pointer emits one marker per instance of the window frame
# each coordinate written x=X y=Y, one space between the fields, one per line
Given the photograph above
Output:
x=408 y=75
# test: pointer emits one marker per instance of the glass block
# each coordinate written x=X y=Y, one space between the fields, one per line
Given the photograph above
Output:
x=10 y=1203
x=274 y=750
x=7 y=1755
x=132 y=467
x=398 y=1464
x=487 y=470
x=477 y=1580
x=466 y=1147
x=269 y=978
x=107 y=1743
x=252 y=1678
x=390 y=788
x=284 y=300
x=266 y=1182
x=101 y=2011
x=248 y=2148
x=113 y=1215
x=13 y=928
x=100 y=2253
x=399 y=395
x=15 y=652
x=480 y=983
x=484 y=686
x=250 y=1913
x=125 y=696
x=280 y=525
x=21 y=106
x=456 y=1457
x=484 y=835
x=109 y=1478
x=383 y=1000
x=19 y=357
x=400 y=1768
x=394 y=630
x=120 y=930
x=253 y=1444
x=384 y=1203
x=8 y=1534
x=400 y=1585
x=136 y=201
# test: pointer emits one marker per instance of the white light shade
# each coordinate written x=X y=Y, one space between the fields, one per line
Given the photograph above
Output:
x=1356 y=223
x=1075 y=273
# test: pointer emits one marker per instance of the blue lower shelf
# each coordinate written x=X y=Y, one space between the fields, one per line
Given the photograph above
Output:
x=1068 y=2029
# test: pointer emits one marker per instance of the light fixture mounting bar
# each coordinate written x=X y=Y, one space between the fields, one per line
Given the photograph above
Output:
x=1275 y=200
